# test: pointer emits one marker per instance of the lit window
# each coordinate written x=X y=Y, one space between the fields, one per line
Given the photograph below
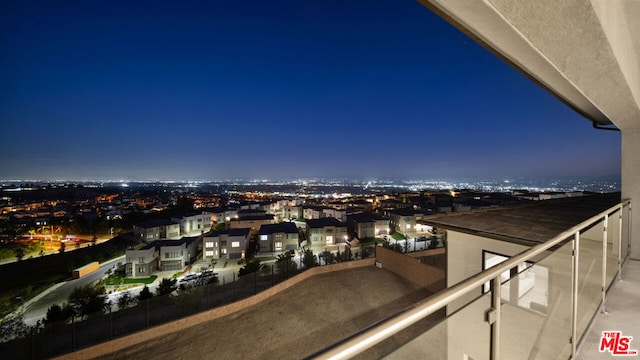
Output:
x=208 y=244
x=278 y=246
x=408 y=226
x=235 y=244
x=329 y=239
x=208 y=253
x=223 y=251
x=263 y=237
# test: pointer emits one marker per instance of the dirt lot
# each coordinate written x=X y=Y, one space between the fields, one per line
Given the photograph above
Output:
x=293 y=324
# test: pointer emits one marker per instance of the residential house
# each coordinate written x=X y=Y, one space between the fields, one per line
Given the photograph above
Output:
x=142 y=262
x=156 y=229
x=227 y=244
x=368 y=225
x=404 y=220
x=277 y=238
x=176 y=254
x=164 y=255
x=326 y=234
x=290 y=212
x=194 y=224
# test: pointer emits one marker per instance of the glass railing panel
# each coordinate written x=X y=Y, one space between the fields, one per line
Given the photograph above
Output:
x=536 y=310
x=613 y=237
x=464 y=334
x=589 y=276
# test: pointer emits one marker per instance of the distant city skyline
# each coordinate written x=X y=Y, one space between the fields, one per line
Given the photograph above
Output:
x=222 y=90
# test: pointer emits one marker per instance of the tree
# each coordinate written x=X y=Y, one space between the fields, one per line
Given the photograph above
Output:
x=19 y=252
x=309 y=259
x=56 y=313
x=166 y=286
x=126 y=300
x=285 y=263
x=221 y=226
x=12 y=327
x=85 y=300
x=145 y=294
x=251 y=266
x=346 y=255
x=328 y=256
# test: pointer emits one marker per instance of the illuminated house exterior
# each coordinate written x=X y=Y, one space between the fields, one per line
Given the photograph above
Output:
x=326 y=234
x=157 y=229
x=278 y=238
x=164 y=255
x=194 y=224
x=404 y=220
x=228 y=244
x=368 y=225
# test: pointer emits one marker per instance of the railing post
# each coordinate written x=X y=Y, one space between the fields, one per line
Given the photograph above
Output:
x=494 y=319
x=629 y=232
x=604 y=260
x=620 y=243
x=574 y=293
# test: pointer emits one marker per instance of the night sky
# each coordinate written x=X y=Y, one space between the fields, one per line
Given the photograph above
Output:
x=259 y=89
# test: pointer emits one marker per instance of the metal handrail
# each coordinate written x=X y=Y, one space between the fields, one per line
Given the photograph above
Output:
x=380 y=331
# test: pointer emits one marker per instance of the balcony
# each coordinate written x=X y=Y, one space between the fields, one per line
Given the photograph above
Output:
x=585 y=285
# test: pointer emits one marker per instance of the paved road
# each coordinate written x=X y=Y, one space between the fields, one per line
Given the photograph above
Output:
x=36 y=309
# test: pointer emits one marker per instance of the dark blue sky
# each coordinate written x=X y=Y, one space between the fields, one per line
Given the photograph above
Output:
x=283 y=89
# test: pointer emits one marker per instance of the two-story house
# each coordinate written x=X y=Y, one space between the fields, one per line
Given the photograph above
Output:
x=164 y=255
x=157 y=229
x=176 y=254
x=142 y=262
x=193 y=224
x=326 y=234
x=278 y=238
x=228 y=244
x=404 y=220
x=368 y=225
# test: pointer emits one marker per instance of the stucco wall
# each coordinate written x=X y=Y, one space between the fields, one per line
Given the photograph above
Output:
x=412 y=269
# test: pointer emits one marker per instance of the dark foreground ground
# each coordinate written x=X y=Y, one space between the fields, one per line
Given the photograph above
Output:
x=295 y=323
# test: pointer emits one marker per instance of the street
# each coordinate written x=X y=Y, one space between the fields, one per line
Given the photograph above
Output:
x=36 y=308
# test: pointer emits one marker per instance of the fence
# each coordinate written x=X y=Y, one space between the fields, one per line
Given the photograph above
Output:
x=69 y=336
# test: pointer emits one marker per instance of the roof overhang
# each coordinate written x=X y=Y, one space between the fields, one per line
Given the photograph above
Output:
x=581 y=51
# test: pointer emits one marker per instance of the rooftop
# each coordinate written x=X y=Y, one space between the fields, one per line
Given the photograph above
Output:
x=285 y=227
x=533 y=222
x=319 y=223
x=155 y=223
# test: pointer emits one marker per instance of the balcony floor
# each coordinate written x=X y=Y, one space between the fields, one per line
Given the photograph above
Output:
x=623 y=314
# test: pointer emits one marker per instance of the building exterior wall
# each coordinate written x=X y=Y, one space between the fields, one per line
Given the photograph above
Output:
x=382 y=227
x=427 y=276
x=630 y=188
x=326 y=238
x=141 y=263
x=210 y=249
x=195 y=225
x=465 y=258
